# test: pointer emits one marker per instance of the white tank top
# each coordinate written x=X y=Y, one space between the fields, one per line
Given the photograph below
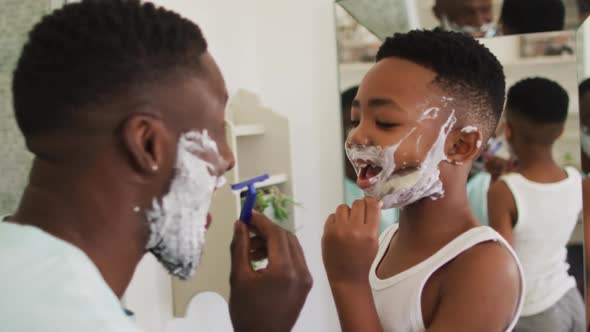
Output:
x=398 y=299
x=547 y=216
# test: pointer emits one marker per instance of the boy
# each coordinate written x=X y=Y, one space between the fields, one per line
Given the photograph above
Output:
x=536 y=207
x=123 y=108
x=419 y=120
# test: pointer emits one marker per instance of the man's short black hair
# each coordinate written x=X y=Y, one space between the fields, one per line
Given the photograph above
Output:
x=89 y=53
x=527 y=16
x=465 y=69
x=539 y=100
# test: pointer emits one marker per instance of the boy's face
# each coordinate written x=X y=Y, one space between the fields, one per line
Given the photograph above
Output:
x=400 y=123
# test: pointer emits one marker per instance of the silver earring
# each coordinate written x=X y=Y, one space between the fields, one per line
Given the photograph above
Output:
x=155 y=168
x=136 y=209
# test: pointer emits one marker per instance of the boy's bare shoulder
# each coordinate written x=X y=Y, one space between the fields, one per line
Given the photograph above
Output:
x=480 y=289
x=489 y=259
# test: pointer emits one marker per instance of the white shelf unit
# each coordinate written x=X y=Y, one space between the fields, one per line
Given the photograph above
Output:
x=260 y=141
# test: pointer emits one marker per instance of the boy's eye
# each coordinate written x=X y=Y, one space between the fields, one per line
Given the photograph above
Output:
x=354 y=124
x=386 y=125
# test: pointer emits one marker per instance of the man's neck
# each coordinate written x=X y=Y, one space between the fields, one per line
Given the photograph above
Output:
x=96 y=221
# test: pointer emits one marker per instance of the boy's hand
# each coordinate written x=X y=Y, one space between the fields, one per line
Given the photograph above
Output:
x=269 y=299
x=351 y=241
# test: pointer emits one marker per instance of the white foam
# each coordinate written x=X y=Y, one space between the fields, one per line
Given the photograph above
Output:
x=401 y=190
x=469 y=129
x=178 y=221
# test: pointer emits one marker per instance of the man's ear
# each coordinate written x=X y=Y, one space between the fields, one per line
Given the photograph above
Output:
x=147 y=142
x=463 y=146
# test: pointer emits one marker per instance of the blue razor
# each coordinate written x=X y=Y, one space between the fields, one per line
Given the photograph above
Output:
x=248 y=206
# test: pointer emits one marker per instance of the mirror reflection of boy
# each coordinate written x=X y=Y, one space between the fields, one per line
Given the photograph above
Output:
x=525 y=16
x=428 y=103
x=536 y=206
x=352 y=192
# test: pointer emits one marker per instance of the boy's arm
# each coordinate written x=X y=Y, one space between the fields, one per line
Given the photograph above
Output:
x=349 y=246
x=501 y=209
x=480 y=291
x=355 y=306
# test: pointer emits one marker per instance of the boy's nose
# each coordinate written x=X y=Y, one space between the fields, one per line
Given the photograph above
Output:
x=358 y=136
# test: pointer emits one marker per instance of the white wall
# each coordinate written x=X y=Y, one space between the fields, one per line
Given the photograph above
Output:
x=286 y=52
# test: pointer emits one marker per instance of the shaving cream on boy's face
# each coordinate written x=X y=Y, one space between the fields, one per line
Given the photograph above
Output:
x=378 y=177
x=178 y=221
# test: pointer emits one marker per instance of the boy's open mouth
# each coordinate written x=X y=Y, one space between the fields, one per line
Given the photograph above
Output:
x=367 y=171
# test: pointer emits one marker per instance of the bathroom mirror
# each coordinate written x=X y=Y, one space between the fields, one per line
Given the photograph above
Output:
x=550 y=55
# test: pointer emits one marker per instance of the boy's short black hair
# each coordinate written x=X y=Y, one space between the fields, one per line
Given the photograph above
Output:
x=540 y=100
x=92 y=52
x=465 y=69
x=526 y=16
x=584 y=87
x=347 y=97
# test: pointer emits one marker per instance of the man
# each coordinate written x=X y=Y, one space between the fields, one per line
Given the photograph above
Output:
x=471 y=17
x=123 y=109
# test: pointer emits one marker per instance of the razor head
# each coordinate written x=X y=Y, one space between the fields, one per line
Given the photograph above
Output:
x=247 y=183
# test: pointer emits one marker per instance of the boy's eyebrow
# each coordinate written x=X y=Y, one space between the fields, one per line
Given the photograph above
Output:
x=378 y=102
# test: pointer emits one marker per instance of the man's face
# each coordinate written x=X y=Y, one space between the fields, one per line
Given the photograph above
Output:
x=400 y=115
x=179 y=219
x=466 y=13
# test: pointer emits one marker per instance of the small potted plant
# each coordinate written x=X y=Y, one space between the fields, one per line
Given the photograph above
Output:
x=275 y=205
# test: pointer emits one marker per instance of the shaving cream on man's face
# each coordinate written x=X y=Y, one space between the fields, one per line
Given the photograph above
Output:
x=178 y=223
x=377 y=175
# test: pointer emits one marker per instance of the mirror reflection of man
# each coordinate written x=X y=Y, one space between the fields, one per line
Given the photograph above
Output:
x=472 y=17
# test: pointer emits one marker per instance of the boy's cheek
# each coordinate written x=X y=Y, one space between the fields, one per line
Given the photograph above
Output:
x=409 y=157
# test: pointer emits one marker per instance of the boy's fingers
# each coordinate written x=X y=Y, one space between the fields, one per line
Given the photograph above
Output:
x=240 y=250
x=357 y=213
x=342 y=214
